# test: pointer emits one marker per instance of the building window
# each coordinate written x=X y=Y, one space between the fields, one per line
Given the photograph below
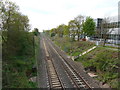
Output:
x=118 y=24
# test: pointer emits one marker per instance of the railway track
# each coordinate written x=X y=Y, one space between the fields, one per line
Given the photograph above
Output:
x=78 y=81
x=54 y=80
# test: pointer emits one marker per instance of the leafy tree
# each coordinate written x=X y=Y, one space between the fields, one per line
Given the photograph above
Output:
x=66 y=30
x=17 y=45
x=53 y=32
x=60 y=30
x=72 y=28
x=89 y=26
x=75 y=26
x=36 y=32
x=105 y=29
x=78 y=22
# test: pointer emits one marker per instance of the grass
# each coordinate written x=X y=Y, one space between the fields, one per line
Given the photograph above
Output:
x=73 y=48
x=105 y=64
x=102 y=60
x=111 y=47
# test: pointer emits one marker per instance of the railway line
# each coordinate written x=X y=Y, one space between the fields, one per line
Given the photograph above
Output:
x=76 y=79
x=54 y=79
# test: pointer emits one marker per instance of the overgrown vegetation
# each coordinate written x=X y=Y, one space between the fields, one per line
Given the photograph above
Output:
x=18 y=47
x=73 y=48
x=104 y=62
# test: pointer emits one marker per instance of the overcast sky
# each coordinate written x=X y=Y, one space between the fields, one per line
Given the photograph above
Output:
x=47 y=14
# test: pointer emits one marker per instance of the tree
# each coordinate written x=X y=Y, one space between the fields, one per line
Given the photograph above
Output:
x=89 y=27
x=78 y=23
x=53 y=32
x=72 y=28
x=66 y=31
x=106 y=28
x=60 y=30
x=17 y=42
x=75 y=26
x=36 y=31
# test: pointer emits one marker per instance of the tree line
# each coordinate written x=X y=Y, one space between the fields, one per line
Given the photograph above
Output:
x=82 y=26
x=17 y=45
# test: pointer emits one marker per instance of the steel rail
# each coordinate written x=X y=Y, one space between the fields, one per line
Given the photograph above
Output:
x=54 y=80
x=78 y=79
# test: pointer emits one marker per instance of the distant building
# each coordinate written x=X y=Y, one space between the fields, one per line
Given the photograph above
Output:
x=0 y=24
x=98 y=23
x=113 y=26
x=119 y=11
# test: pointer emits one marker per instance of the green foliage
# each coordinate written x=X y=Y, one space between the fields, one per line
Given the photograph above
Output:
x=52 y=34
x=72 y=28
x=71 y=47
x=105 y=62
x=66 y=30
x=89 y=26
x=36 y=32
x=15 y=72
x=17 y=46
x=60 y=30
x=75 y=27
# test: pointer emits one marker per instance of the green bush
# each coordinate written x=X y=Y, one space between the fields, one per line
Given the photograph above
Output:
x=52 y=34
x=106 y=63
